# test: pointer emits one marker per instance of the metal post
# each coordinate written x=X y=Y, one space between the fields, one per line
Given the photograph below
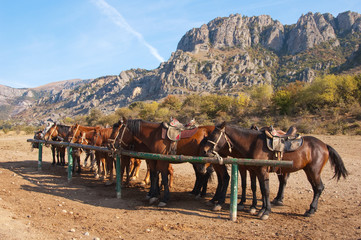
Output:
x=40 y=158
x=234 y=192
x=70 y=163
x=119 y=180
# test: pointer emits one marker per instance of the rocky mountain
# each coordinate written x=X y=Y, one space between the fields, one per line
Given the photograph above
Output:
x=224 y=56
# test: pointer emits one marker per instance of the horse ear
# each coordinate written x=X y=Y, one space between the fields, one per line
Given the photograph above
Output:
x=223 y=125
x=124 y=120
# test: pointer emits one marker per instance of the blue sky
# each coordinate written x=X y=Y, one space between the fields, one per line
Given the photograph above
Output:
x=44 y=41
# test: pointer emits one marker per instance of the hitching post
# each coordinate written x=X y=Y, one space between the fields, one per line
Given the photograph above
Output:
x=70 y=163
x=234 y=192
x=40 y=158
x=119 y=180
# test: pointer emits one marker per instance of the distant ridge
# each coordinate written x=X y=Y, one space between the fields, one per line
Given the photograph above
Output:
x=224 y=56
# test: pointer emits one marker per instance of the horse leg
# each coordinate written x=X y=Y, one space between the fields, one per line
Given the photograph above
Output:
x=146 y=180
x=197 y=184
x=164 y=167
x=263 y=178
x=97 y=171
x=282 y=178
x=223 y=191
x=62 y=156
x=171 y=175
x=317 y=186
x=57 y=155
x=53 y=154
x=243 y=173
x=110 y=163
x=125 y=165
x=254 y=191
x=220 y=172
x=205 y=180
x=154 y=182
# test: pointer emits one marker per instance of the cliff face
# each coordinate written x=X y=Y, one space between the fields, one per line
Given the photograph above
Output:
x=223 y=56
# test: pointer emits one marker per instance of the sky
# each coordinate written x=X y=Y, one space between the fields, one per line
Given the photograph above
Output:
x=45 y=41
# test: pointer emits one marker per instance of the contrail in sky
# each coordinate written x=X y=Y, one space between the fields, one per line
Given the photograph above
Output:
x=119 y=20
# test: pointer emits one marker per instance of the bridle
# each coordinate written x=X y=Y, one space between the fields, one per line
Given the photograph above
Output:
x=51 y=133
x=76 y=130
x=215 y=144
x=113 y=141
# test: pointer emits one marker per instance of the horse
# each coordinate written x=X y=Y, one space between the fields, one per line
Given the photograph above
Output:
x=150 y=135
x=98 y=137
x=74 y=133
x=118 y=136
x=310 y=157
x=56 y=132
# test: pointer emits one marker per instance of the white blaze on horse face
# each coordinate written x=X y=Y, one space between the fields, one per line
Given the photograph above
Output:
x=46 y=129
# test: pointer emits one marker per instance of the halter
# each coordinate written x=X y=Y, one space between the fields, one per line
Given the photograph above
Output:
x=51 y=134
x=121 y=138
x=215 y=144
x=76 y=130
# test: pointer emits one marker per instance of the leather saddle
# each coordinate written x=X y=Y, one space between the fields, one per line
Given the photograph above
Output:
x=176 y=131
x=281 y=143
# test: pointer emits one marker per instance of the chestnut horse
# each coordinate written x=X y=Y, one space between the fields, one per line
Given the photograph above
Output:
x=74 y=133
x=150 y=135
x=311 y=157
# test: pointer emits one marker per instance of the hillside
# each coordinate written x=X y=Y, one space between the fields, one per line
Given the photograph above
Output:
x=223 y=56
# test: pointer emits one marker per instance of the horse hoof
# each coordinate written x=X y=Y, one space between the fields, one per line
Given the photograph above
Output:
x=260 y=213
x=133 y=178
x=152 y=200
x=309 y=214
x=210 y=203
x=108 y=183
x=217 y=207
x=264 y=217
x=240 y=207
x=162 y=204
x=276 y=202
x=253 y=211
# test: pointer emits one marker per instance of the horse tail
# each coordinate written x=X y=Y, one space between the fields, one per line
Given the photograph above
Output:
x=337 y=163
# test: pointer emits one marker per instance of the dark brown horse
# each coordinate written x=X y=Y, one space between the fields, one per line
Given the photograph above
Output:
x=121 y=136
x=149 y=134
x=56 y=132
x=311 y=157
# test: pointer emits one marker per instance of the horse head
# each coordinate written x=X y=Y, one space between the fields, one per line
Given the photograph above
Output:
x=73 y=133
x=50 y=132
x=216 y=142
x=121 y=136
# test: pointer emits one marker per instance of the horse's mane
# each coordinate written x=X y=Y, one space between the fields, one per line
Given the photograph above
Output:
x=134 y=126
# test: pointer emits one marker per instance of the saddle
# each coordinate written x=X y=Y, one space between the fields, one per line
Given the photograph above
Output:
x=175 y=131
x=281 y=143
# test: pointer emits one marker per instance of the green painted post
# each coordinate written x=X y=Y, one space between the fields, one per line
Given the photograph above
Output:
x=234 y=192
x=70 y=163
x=40 y=158
x=119 y=180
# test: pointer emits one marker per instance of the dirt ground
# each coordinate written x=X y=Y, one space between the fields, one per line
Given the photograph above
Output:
x=43 y=205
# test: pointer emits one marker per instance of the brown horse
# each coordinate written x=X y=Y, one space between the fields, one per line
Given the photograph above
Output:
x=56 y=132
x=99 y=137
x=121 y=136
x=73 y=135
x=150 y=135
x=311 y=157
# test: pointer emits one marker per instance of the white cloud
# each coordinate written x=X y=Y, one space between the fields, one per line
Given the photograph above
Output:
x=119 y=20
